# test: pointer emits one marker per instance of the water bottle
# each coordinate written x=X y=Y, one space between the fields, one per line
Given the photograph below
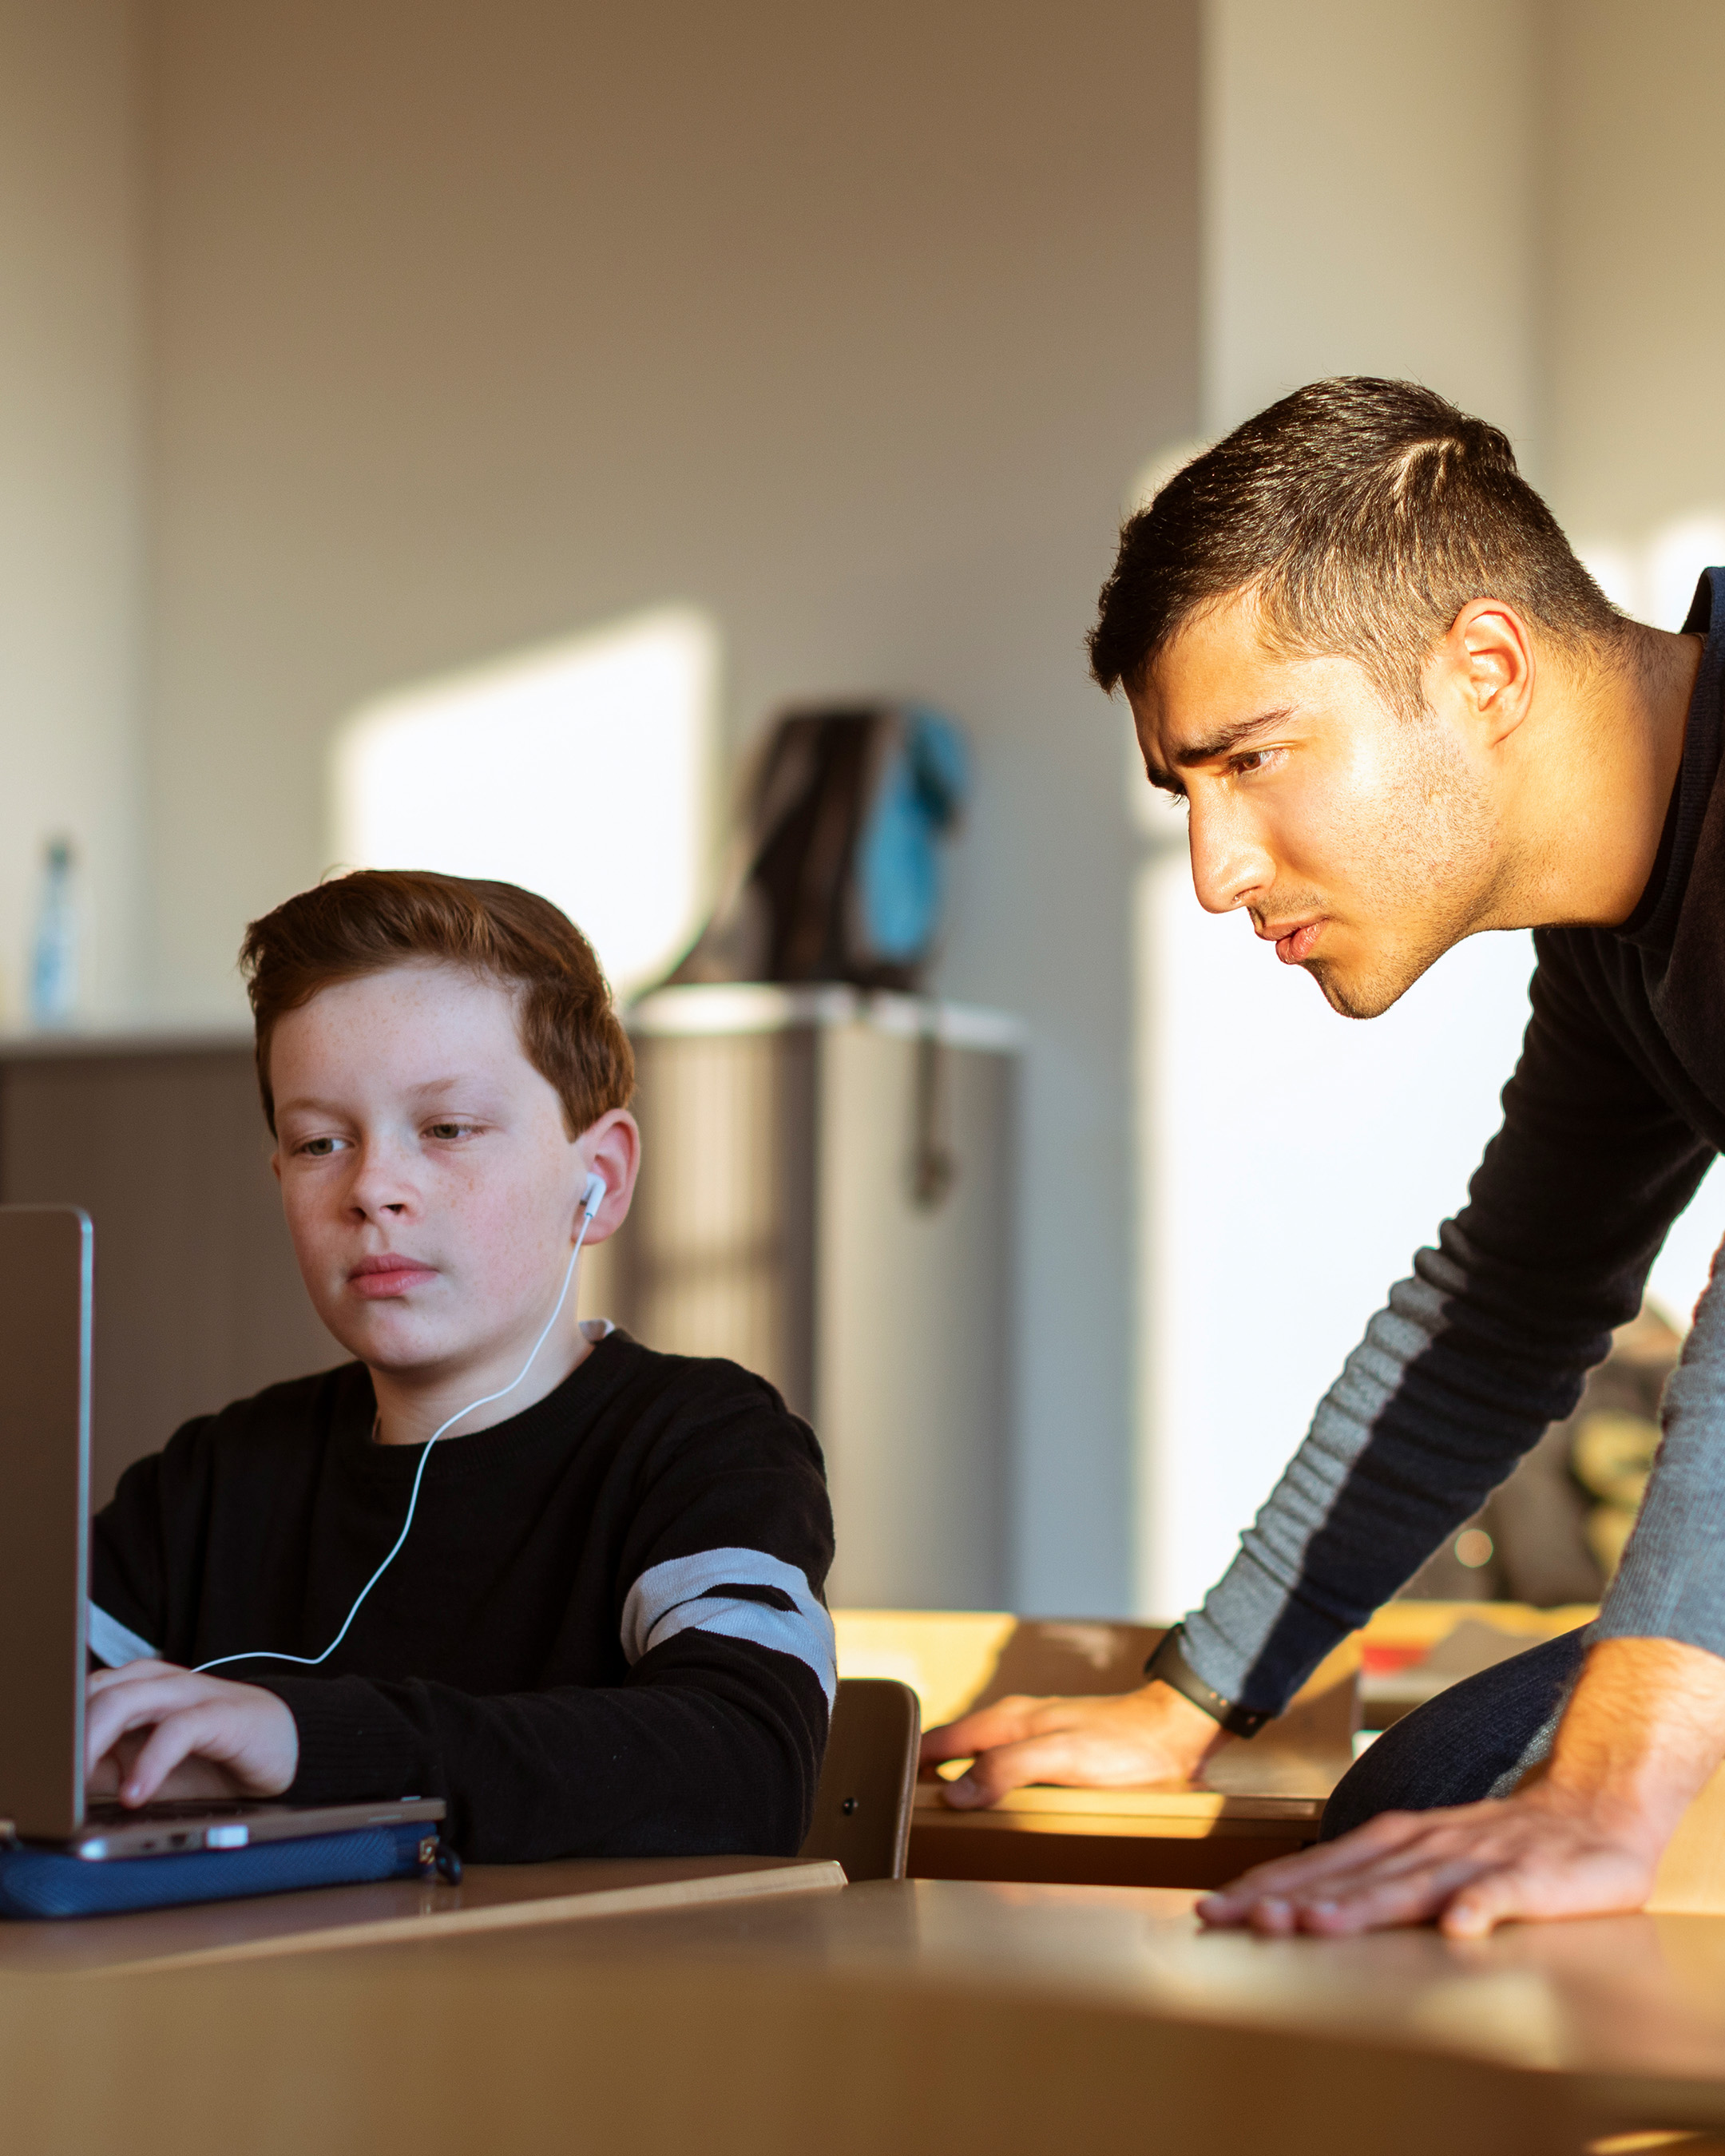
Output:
x=54 y=957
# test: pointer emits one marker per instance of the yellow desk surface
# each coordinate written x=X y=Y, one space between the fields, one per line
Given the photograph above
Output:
x=902 y=2017
x=1259 y=1801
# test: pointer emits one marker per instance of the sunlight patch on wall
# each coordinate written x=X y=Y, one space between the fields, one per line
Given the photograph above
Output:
x=581 y=769
x=1654 y=577
x=1289 y=1165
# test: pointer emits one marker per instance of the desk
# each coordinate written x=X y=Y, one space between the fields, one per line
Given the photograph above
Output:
x=397 y=1912
x=1260 y=1800
x=1177 y=1836
x=904 y=2016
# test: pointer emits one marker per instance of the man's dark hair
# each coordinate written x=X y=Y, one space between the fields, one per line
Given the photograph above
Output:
x=1363 y=515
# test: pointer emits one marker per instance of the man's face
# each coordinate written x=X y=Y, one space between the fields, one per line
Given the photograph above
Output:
x=1360 y=841
x=430 y=1186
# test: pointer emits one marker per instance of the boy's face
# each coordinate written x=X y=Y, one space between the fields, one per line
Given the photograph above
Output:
x=431 y=1189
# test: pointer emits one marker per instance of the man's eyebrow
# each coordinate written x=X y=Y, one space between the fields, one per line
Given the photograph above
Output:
x=1212 y=746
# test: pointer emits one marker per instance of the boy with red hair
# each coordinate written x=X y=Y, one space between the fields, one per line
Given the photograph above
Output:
x=570 y=1586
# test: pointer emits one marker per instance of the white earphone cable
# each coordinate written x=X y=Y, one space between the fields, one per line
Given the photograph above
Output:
x=590 y=1205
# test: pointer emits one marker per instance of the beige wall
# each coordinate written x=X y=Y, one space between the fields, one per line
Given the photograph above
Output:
x=1516 y=204
x=470 y=325
x=1369 y=208
x=473 y=324
x=69 y=503
x=1368 y=200
x=1636 y=286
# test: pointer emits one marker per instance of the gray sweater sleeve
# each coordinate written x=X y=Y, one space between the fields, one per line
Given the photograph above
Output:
x=1487 y=1343
x=1672 y=1584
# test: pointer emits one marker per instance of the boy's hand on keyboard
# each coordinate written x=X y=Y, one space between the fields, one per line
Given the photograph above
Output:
x=1111 y=1741
x=154 y=1730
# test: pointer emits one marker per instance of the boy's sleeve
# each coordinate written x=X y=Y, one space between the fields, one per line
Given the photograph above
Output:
x=712 y=1743
x=128 y=1597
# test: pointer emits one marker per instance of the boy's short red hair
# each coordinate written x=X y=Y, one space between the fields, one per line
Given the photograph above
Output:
x=377 y=918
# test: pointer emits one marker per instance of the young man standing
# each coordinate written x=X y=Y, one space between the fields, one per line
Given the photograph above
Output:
x=1400 y=712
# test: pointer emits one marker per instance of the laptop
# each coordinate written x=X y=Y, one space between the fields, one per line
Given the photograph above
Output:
x=46 y=1276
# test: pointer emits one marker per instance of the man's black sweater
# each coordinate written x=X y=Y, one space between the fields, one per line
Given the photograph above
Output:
x=1614 y=1114
x=604 y=1635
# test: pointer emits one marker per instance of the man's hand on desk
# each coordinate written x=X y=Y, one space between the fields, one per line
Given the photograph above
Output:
x=154 y=1730
x=1114 y=1741
x=1644 y=1728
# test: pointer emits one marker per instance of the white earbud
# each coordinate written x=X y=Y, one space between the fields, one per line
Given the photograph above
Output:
x=593 y=1192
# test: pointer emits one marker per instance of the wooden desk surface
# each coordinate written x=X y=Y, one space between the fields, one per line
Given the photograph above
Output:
x=916 y=2015
x=1259 y=1800
x=397 y=1911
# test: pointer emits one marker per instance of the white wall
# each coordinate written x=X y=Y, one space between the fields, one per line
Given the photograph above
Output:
x=1516 y=204
x=1368 y=203
x=69 y=465
x=1635 y=338
x=1636 y=327
x=1360 y=218
x=473 y=326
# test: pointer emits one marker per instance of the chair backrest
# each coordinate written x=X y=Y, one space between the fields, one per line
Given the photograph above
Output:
x=868 y=1786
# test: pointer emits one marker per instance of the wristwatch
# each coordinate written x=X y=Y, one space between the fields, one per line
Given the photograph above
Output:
x=1171 y=1667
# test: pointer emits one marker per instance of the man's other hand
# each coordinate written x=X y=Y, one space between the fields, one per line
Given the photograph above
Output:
x=154 y=1730
x=1116 y=1741
x=1538 y=1853
x=1644 y=1729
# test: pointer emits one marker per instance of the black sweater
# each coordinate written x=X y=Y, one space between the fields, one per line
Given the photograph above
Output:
x=1614 y=1114
x=603 y=1635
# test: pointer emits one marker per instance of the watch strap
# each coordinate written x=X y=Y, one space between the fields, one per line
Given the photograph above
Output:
x=1170 y=1666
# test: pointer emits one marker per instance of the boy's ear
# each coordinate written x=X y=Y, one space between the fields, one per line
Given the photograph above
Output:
x=612 y=1149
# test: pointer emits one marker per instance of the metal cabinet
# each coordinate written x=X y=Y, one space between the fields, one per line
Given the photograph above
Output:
x=826 y=1196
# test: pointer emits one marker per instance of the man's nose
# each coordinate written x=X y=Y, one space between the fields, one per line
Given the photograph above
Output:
x=1230 y=864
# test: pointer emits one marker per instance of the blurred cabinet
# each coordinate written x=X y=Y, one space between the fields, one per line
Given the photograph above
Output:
x=198 y=1298
x=826 y=1197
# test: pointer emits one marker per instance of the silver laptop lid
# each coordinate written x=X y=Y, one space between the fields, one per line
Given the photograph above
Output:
x=45 y=1282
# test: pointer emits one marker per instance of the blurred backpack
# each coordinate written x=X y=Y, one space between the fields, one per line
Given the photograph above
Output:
x=840 y=877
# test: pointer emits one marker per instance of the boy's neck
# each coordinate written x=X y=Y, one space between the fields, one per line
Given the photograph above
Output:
x=412 y=1408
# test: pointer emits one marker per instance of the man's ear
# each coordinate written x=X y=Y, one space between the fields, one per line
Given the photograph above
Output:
x=612 y=1148
x=1483 y=670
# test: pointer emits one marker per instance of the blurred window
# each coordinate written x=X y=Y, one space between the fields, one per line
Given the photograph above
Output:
x=580 y=769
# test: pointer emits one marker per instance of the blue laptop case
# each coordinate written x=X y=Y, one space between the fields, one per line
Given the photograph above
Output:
x=35 y=1882
x=55 y=1883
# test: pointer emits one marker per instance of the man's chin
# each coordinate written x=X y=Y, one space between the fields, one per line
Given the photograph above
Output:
x=1351 y=996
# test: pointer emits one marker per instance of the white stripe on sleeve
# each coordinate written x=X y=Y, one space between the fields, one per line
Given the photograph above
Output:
x=686 y=1594
x=112 y=1644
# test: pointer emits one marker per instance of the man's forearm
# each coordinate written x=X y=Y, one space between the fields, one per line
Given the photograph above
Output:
x=1644 y=1729
x=1423 y=1422
x=1485 y=1346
